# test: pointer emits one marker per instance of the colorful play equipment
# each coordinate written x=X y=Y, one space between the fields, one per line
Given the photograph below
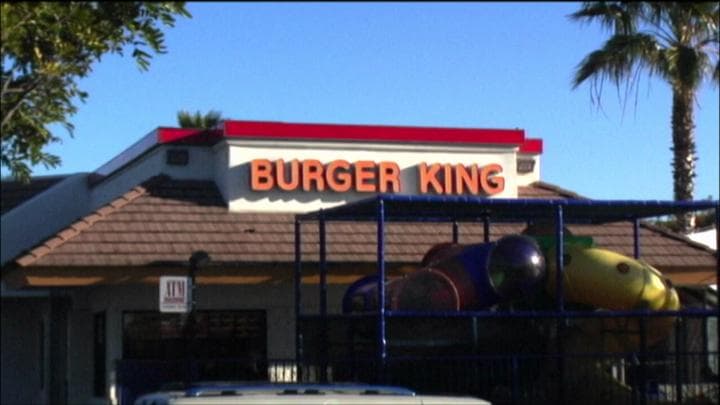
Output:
x=477 y=276
x=596 y=321
x=457 y=277
x=606 y=280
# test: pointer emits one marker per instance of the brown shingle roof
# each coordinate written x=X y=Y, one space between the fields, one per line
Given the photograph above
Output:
x=15 y=193
x=540 y=189
x=164 y=220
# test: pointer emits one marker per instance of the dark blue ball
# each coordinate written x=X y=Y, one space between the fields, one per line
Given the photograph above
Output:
x=516 y=266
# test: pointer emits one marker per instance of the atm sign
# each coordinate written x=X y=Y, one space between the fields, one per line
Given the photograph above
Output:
x=174 y=294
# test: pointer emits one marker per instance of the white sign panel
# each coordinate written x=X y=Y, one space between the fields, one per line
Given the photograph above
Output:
x=175 y=294
x=292 y=177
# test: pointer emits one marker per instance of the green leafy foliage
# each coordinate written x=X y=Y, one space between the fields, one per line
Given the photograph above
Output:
x=210 y=120
x=47 y=47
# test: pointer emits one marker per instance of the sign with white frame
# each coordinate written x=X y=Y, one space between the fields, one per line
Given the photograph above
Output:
x=175 y=294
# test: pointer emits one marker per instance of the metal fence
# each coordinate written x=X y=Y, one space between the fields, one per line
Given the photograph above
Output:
x=522 y=361
x=502 y=379
x=528 y=379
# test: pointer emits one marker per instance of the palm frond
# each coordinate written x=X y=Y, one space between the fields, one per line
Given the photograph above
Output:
x=185 y=119
x=679 y=41
x=619 y=17
x=212 y=119
x=209 y=120
x=617 y=58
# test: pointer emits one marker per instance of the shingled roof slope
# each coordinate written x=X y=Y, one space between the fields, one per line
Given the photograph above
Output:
x=163 y=220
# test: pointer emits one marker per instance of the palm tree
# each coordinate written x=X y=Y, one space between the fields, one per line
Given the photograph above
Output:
x=678 y=42
x=210 y=120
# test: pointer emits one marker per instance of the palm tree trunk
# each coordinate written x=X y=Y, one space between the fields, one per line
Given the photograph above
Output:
x=683 y=148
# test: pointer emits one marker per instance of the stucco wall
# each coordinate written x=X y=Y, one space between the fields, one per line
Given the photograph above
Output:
x=200 y=167
x=24 y=368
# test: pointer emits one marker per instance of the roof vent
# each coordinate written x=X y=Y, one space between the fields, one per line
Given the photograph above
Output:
x=177 y=157
x=525 y=165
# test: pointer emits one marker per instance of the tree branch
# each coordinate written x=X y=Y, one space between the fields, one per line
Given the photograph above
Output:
x=8 y=114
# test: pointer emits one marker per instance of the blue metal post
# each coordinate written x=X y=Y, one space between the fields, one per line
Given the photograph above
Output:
x=679 y=363
x=559 y=254
x=323 y=266
x=643 y=362
x=559 y=300
x=515 y=389
x=640 y=387
x=381 y=332
x=298 y=300
x=323 y=298
x=636 y=238
x=486 y=228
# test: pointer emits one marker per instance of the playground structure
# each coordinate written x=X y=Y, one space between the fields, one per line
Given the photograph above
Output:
x=524 y=319
x=478 y=276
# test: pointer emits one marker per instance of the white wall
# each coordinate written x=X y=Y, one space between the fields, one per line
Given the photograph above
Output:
x=707 y=238
x=201 y=166
x=524 y=179
x=221 y=157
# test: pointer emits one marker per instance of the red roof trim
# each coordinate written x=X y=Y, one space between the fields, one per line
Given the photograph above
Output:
x=260 y=129
x=532 y=146
x=323 y=132
x=187 y=135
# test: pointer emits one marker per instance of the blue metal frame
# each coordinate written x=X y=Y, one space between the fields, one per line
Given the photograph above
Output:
x=390 y=207
x=381 y=329
x=559 y=256
x=560 y=297
x=636 y=238
x=447 y=208
x=297 y=278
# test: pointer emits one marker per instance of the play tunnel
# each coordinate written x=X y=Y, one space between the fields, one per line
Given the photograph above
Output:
x=459 y=277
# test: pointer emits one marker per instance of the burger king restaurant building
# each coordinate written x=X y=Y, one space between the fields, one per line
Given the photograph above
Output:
x=84 y=255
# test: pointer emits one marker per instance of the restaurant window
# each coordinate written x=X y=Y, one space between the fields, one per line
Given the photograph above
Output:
x=224 y=343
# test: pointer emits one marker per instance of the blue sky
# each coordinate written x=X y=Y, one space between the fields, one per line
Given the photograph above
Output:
x=480 y=65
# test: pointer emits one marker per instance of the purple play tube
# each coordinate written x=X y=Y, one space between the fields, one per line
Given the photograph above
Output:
x=457 y=277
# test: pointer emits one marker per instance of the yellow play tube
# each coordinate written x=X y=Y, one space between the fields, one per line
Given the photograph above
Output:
x=605 y=279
